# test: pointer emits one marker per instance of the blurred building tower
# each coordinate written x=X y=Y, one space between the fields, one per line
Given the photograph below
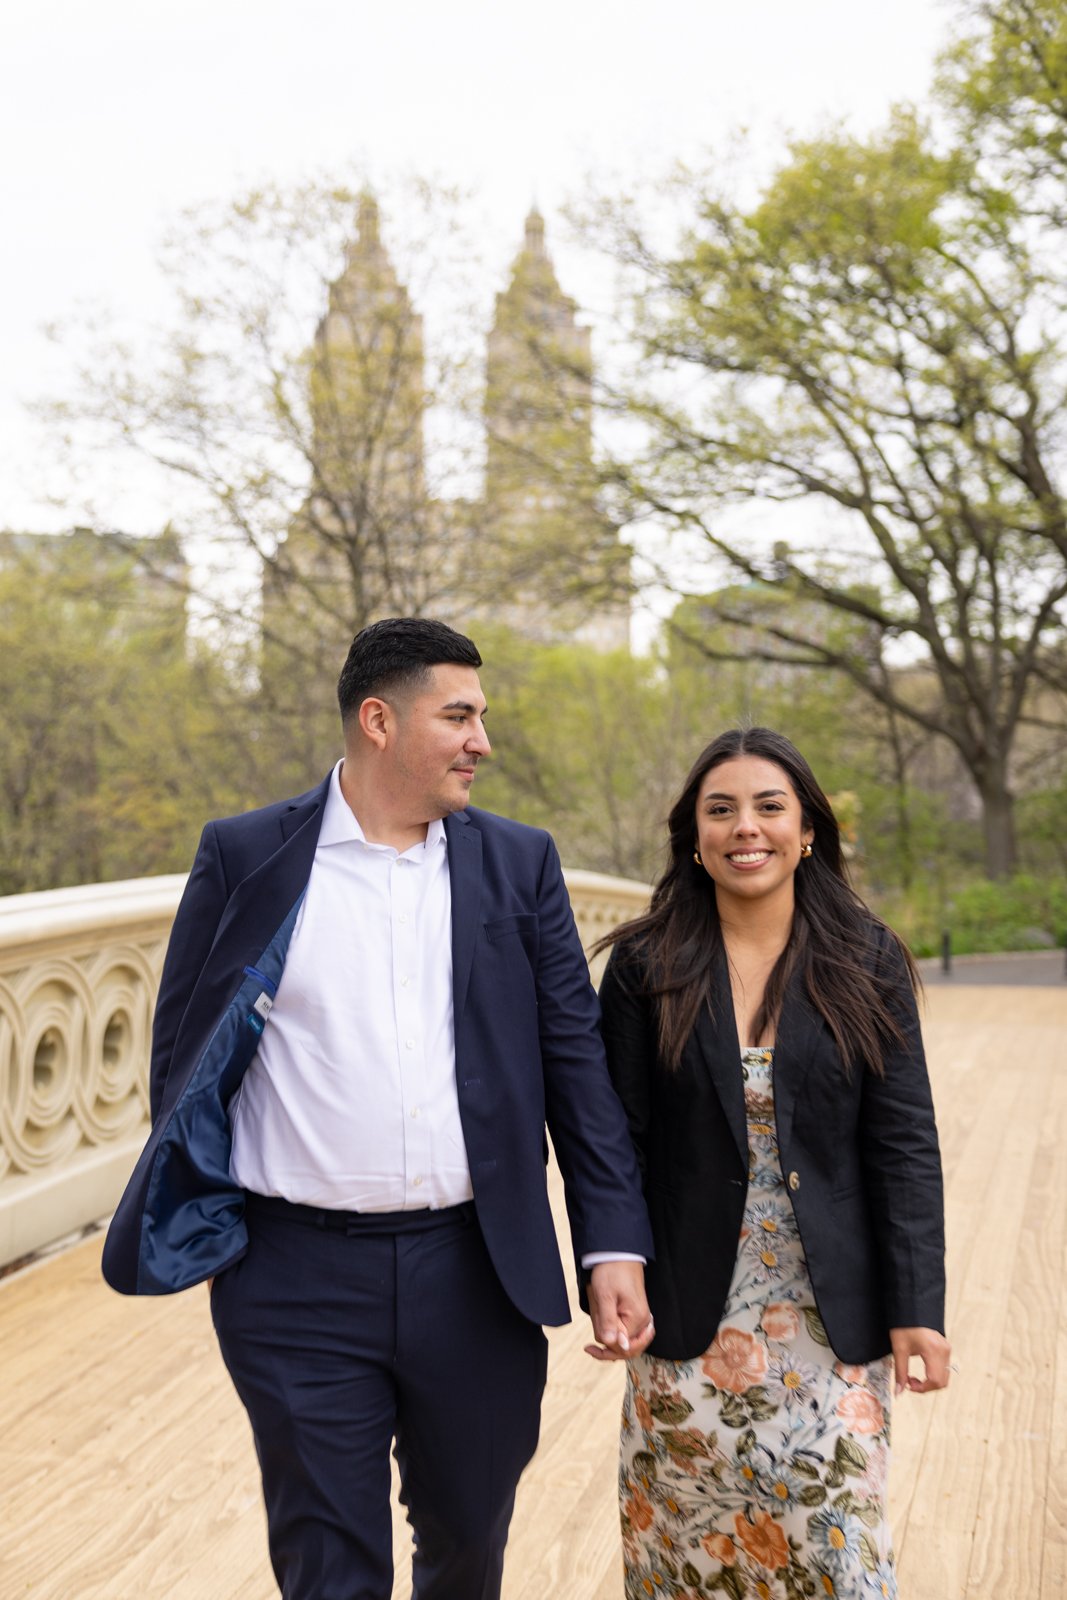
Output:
x=362 y=543
x=564 y=574
x=371 y=540
x=368 y=386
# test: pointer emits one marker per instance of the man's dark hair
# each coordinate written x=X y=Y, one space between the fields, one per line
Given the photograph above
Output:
x=399 y=653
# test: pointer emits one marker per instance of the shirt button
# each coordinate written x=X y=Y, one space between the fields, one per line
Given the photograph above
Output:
x=404 y=982
x=402 y=917
x=414 y=1111
x=416 y=1183
x=410 y=1043
x=794 y=1181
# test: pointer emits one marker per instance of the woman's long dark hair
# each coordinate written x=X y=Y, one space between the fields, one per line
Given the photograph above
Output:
x=679 y=938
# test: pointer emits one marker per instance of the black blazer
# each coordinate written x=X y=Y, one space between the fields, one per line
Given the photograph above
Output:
x=860 y=1157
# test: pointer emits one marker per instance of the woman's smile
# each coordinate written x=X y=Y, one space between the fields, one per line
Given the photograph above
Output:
x=749 y=824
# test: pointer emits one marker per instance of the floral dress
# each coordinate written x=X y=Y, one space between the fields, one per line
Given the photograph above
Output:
x=759 y=1468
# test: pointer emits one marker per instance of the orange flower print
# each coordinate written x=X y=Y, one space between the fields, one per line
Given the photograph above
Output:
x=735 y=1361
x=643 y=1411
x=850 y=1374
x=720 y=1547
x=639 y=1511
x=780 y=1321
x=860 y=1411
x=763 y=1539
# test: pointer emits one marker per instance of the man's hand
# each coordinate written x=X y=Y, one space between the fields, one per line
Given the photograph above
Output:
x=622 y=1322
x=932 y=1349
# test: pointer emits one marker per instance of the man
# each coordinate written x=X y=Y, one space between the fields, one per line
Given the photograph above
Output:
x=372 y=1002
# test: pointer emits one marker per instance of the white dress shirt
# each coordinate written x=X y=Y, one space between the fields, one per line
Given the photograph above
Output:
x=350 y=1102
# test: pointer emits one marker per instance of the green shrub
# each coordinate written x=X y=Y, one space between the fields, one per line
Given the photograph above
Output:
x=1020 y=913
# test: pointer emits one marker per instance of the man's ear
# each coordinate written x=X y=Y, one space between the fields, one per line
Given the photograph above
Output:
x=375 y=721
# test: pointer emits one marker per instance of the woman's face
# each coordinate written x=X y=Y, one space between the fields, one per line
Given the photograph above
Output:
x=750 y=829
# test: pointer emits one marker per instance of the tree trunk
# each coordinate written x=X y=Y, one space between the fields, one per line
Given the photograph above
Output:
x=998 y=821
x=905 y=851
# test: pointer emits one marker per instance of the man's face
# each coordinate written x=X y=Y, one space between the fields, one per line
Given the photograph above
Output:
x=438 y=739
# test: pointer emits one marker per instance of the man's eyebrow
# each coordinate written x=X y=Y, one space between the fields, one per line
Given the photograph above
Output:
x=465 y=705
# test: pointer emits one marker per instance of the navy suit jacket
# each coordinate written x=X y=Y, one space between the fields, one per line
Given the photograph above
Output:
x=528 y=1052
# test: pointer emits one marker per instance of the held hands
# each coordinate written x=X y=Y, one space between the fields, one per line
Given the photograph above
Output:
x=622 y=1322
x=931 y=1348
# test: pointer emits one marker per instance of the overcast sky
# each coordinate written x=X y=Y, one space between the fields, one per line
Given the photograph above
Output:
x=115 y=114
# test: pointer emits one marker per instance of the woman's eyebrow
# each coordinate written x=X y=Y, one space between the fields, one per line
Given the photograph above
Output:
x=764 y=794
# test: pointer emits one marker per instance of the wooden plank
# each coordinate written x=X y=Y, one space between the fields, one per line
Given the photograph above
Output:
x=1054 y=1536
x=128 y=1469
x=974 y=1141
x=1054 y=1533
x=987 y=1202
x=1007 y=1552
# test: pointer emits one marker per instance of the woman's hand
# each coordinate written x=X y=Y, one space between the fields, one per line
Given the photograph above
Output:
x=622 y=1322
x=931 y=1348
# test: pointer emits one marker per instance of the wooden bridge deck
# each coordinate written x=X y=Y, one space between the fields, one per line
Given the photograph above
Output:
x=126 y=1466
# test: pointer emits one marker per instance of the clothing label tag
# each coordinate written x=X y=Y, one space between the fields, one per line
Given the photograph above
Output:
x=263 y=1006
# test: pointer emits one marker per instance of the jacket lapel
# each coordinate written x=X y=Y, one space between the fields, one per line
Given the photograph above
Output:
x=254 y=914
x=465 y=877
x=796 y=1043
x=716 y=1039
x=261 y=902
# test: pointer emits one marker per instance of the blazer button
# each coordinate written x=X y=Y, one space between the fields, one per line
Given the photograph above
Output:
x=794 y=1181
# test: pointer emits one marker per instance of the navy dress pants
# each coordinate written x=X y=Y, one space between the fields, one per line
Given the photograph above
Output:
x=344 y=1334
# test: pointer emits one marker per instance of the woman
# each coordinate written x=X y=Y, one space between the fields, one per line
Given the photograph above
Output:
x=762 y=1033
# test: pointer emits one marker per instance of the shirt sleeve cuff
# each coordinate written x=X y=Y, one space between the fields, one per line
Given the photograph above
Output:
x=597 y=1257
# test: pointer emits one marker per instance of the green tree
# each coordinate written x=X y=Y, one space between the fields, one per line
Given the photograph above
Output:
x=118 y=740
x=879 y=338
x=1005 y=80
x=591 y=745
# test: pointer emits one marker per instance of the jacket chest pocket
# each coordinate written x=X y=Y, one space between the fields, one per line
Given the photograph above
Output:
x=524 y=923
x=508 y=964
x=513 y=942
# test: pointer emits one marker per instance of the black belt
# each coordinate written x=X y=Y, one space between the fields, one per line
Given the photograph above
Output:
x=325 y=1217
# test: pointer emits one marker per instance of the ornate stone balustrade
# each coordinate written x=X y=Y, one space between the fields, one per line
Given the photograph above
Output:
x=78 y=975
x=600 y=903
x=79 y=970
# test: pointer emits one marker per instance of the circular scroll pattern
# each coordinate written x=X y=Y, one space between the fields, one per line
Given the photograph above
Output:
x=74 y=1041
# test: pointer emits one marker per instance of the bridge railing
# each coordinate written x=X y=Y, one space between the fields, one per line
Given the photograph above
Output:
x=79 y=970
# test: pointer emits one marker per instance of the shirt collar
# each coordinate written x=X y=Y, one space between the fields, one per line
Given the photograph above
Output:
x=341 y=826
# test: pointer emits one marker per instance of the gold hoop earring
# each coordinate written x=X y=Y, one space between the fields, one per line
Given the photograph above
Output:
x=805 y=851
x=698 y=858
